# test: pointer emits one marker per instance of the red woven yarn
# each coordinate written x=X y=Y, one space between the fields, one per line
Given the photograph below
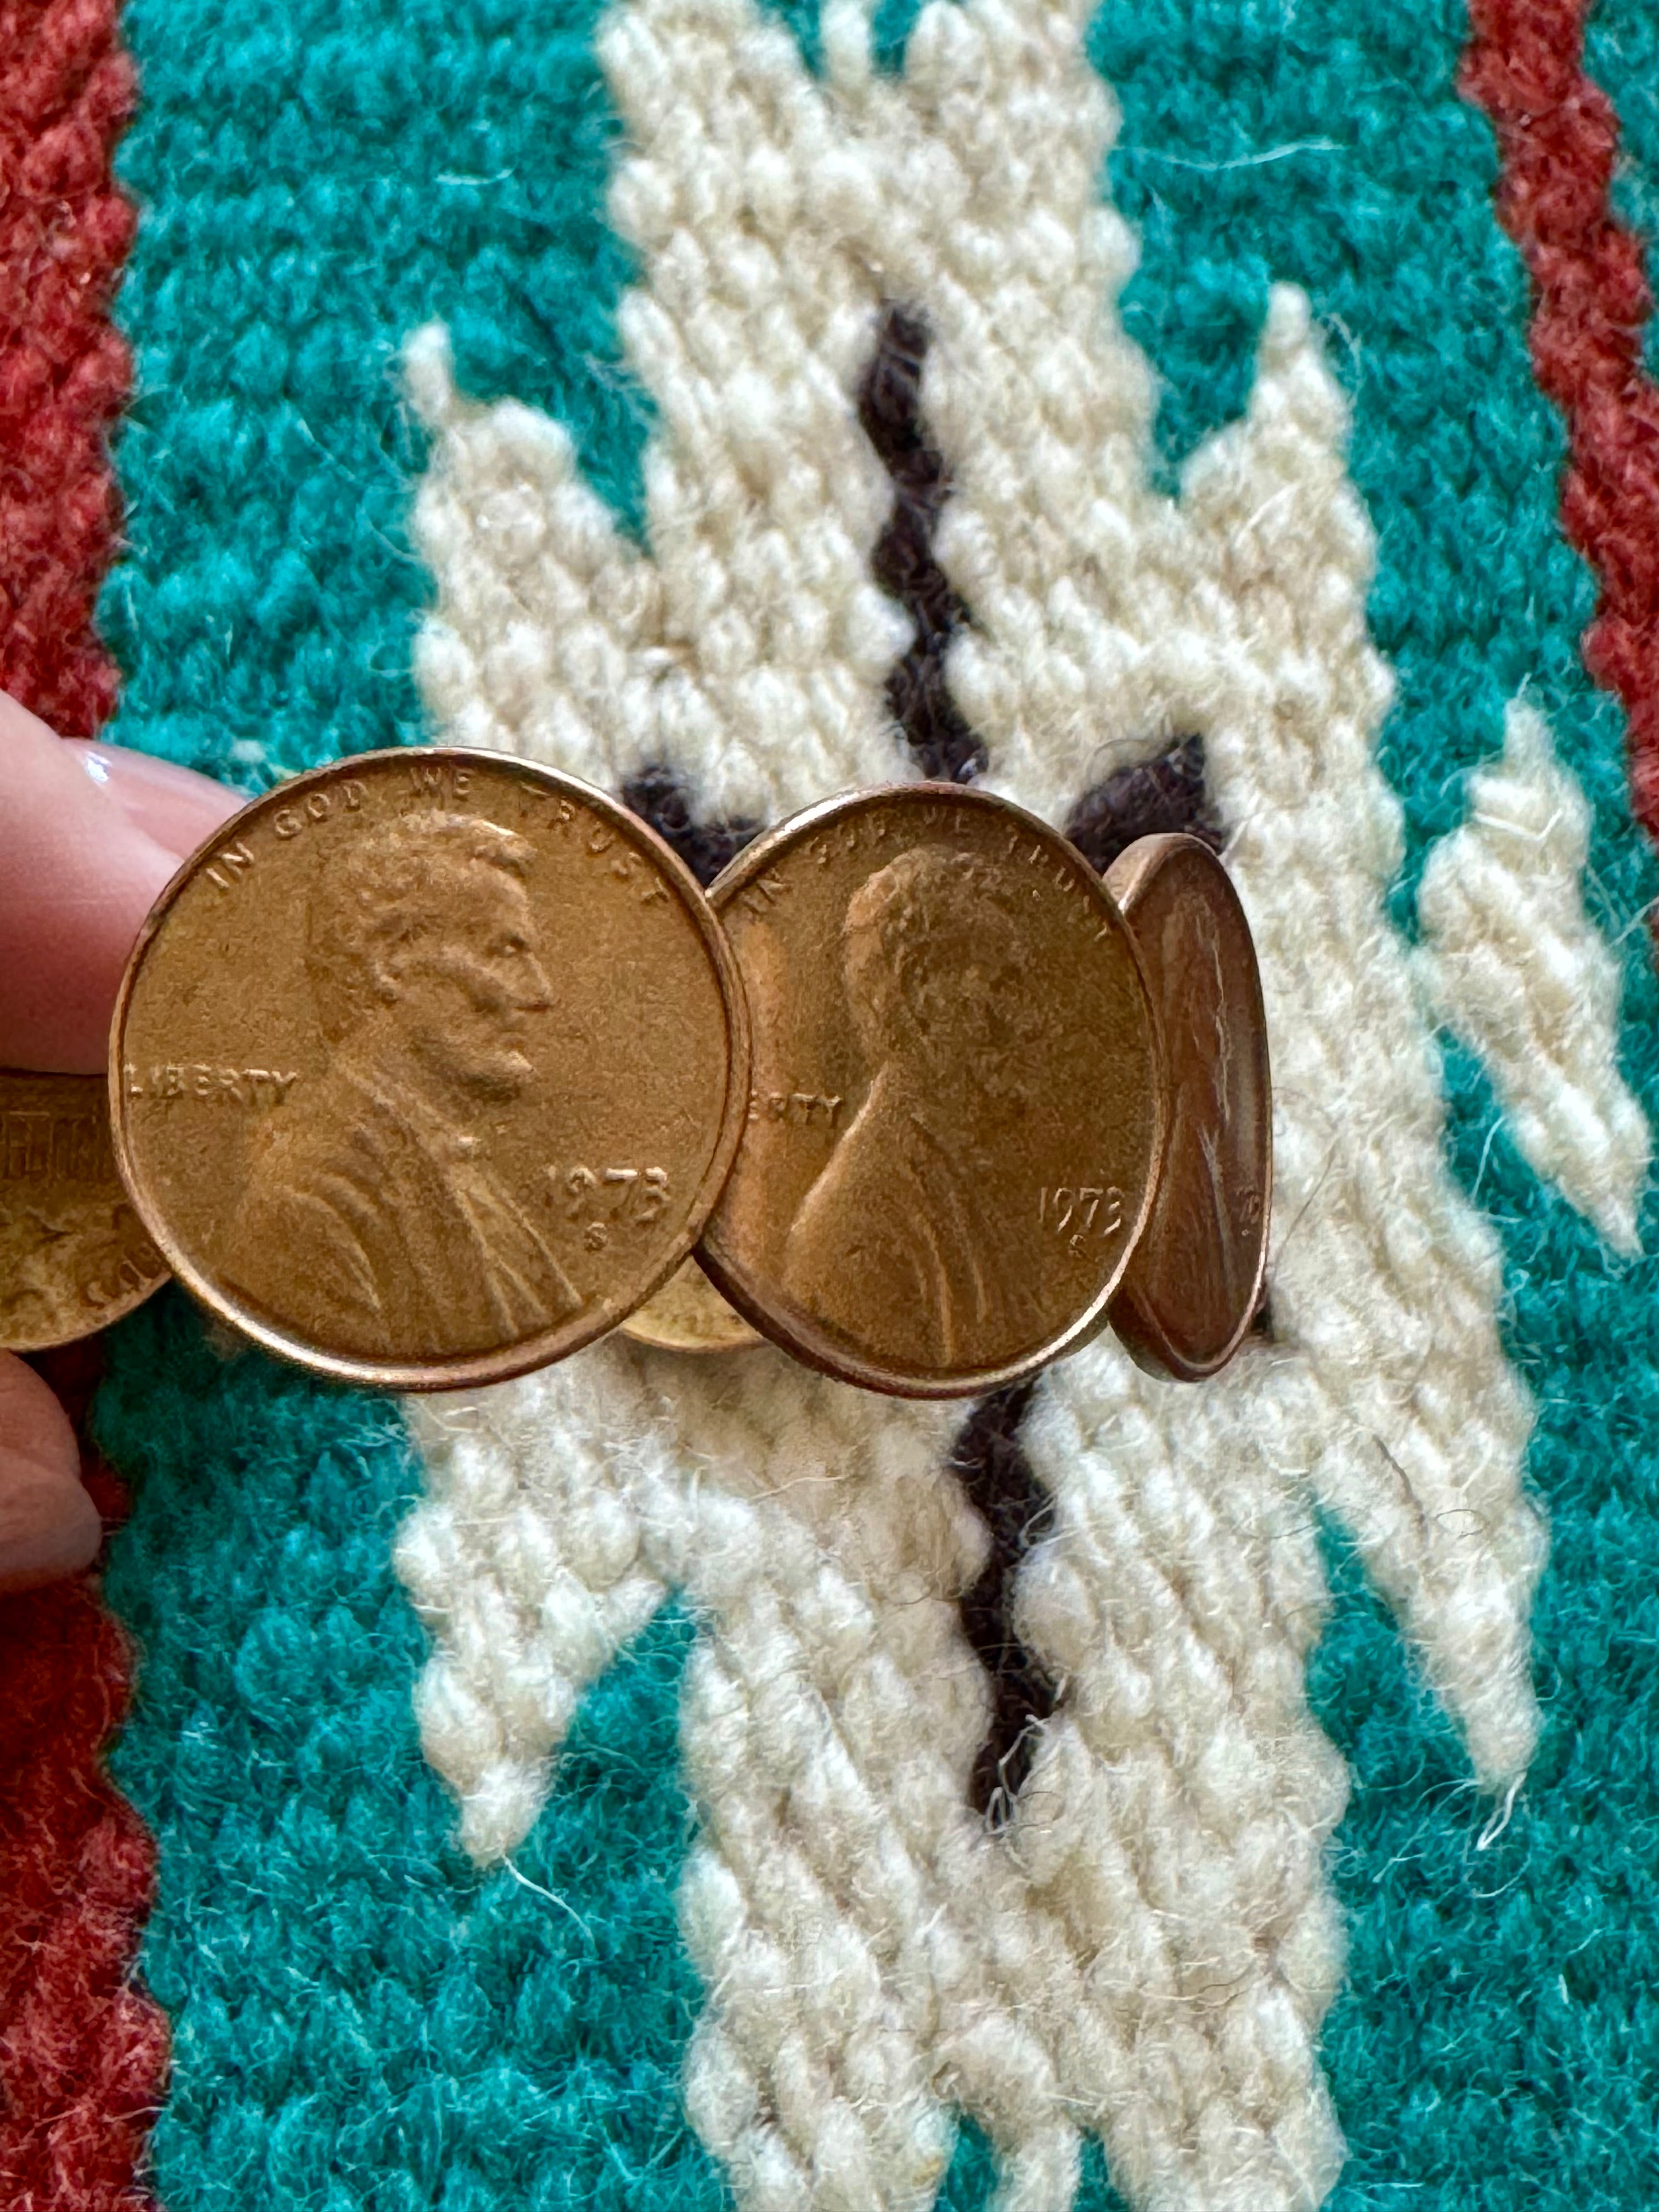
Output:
x=83 y=2050
x=66 y=89
x=1559 y=134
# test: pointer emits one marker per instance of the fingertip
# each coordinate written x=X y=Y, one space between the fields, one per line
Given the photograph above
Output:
x=33 y=1423
x=68 y=938
x=47 y=1533
x=48 y=1526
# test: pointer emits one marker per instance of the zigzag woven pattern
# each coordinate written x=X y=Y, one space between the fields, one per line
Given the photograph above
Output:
x=65 y=91
x=83 y=2049
x=664 y=1786
x=1137 y=592
x=1559 y=132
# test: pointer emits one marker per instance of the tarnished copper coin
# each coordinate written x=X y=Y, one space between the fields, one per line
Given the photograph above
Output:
x=427 y=1069
x=1194 y=1281
x=688 y=1314
x=73 y=1255
x=958 y=1108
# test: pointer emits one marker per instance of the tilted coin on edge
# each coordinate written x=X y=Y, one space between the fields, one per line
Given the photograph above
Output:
x=427 y=1069
x=73 y=1255
x=1195 y=1282
x=958 y=1111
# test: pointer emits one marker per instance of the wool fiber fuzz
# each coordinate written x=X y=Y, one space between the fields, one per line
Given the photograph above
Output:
x=1160 y=580
x=1387 y=1392
x=83 y=2046
x=831 y=1718
x=1167 y=1843
x=756 y=612
x=1512 y=962
x=1004 y=93
x=66 y=91
x=1104 y=618
x=1558 y=135
x=865 y=1943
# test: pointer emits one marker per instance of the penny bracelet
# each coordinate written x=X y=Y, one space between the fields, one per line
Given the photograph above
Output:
x=433 y=1066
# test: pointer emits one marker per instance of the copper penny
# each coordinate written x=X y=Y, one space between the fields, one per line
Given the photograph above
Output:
x=428 y=1067
x=73 y=1255
x=1194 y=1281
x=958 y=1100
x=688 y=1314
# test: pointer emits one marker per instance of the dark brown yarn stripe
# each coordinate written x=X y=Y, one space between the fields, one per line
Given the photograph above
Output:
x=663 y=798
x=990 y=1463
x=1155 y=798
x=890 y=409
x=1164 y=794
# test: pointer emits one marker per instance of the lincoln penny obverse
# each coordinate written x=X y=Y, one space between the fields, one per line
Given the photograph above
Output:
x=428 y=1068
x=74 y=1255
x=1195 y=1282
x=956 y=1107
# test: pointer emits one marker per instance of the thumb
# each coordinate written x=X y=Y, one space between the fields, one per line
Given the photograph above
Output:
x=48 y=1526
x=88 y=836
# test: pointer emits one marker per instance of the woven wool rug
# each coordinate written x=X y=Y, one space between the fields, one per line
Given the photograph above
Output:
x=666 y=1786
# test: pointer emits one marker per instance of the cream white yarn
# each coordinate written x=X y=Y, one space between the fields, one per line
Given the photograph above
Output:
x=873 y=1955
x=1512 y=962
x=1150 y=1949
x=1106 y=619
x=750 y=647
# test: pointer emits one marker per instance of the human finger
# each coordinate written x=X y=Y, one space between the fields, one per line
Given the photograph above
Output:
x=81 y=862
x=48 y=1526
x=174 y=806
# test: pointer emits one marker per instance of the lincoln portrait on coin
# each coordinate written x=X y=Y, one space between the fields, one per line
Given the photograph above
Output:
x=373 y=1211
x=900 y=1242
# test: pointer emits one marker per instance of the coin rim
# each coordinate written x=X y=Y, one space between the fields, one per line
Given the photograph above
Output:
x=1147 y=1341
x=818 y=1349
x=118 y=1310
x=523 y=1357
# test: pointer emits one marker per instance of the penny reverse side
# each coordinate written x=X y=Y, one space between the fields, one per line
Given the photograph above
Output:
x=957 y=1101
x=688 y=1314
x=427 y=1069
x=1195 y=1282
x=73 y=1255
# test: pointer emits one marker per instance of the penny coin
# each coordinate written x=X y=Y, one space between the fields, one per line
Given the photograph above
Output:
x=957 y=1101
x=688 y=1314
x=428 y=1067
x=74 y=1255
x=1194 y=1281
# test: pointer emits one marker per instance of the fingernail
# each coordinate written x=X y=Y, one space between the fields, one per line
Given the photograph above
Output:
x=174 y=806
